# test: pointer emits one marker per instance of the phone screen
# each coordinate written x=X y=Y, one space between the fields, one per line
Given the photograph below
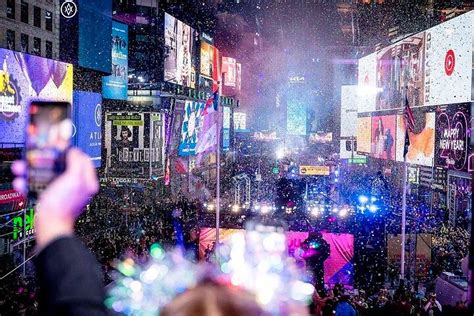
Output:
x=48 y=137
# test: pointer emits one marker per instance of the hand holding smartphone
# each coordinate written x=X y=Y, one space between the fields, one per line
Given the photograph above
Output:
x=49 y=135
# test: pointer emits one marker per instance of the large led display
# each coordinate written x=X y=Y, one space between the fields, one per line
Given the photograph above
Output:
x=448 y=61
x=367 y=86
x=130 y=140
x=383 y=140
x=229 y=70
x=95 y=25
x=178 y=64
x=88 y=120
x=115 y=86
x=240 y=121
x=23 y=78
x=422 y=140
x=452 y=137
x=296 y=117
x=400 y=72
x=364 y=127
x=207 y=59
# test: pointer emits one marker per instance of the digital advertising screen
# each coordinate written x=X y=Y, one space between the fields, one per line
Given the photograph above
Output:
x=349 y=95
x=226 y=127
x=364 y=128
x=129 y=143
x=240 y=121
x=296 y=117
x=448 y=62
x=383 y=140
x=87 y=109
x=26 y=77
x=367 y=83
x=400 y=72
x=179 y=44
x=95 y=27
x=115 y=86
x=422 y=140
x=207 y=59
x=229 y=71
x=452 y=137
x=198 y=131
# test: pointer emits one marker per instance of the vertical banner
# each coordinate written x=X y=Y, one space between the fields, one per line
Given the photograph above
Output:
x=115 y=86
x=226 y=128
x=88 y=120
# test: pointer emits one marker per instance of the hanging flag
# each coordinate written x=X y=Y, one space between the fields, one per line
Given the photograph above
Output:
x=408 y=117
x=211 y=104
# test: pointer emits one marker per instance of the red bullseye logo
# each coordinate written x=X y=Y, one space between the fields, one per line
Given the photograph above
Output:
x=449 y=62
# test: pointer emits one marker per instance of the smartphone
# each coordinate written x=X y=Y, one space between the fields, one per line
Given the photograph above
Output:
x=48 y=138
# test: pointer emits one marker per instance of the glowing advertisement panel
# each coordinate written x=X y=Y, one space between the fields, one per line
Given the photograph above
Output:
x=115 y=86
x=131 y=140
x=367 y=87
x=401 y=67
x=448 y=61
x=178 y=64
x=452 y=137
x=296 y=117
x=240 y=121
x=383 y=137
x=24 y=77
x=364 y=128
x=229 y=70
x=226 y=127
x=422 y=140
x=88 y=120
x=207 y=55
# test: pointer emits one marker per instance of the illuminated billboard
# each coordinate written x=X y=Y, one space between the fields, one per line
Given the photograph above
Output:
x=422 y=140
x=452 y=137
x=131 y=140
x=296 y=117
x=229 y=70
x=179 y=46
x=207 y=57
x=400 y=67
x=226 y=127
x=367 y=86
x=115 y=86
x=383 y=140
x=448 y=62
x=88 y=120
x=240 y=121
x=364 y=128
x=24 y=77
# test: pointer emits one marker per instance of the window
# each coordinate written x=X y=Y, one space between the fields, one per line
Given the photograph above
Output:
x=11 y=39
x=49 y=49
x=37 y=16
x=24 y=43
x=11 y=9
x=24 y=12
x=48 y=16
x=36 y=46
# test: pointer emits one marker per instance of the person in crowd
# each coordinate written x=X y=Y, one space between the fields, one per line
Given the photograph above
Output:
x=344 y=308
x=68 y=274
x=433 y=307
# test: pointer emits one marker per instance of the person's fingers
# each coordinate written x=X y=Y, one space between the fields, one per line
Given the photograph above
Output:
x=19 y=168
x=20 y=185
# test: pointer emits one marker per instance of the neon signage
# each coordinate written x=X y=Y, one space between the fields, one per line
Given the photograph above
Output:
x=24 y=224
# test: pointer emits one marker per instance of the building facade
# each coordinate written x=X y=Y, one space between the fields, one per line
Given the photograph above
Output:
x=30 y=26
